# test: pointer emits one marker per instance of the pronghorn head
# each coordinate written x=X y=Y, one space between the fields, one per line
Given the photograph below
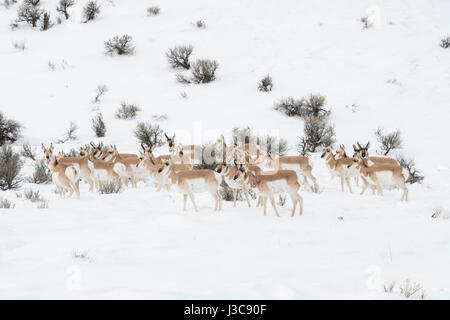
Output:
x=363 y=151
x=84 y=151
x=110 y=153
x=47 y=152
x=340 y=153
x=220 y=169
x=97 y=150
x=170 y=141
x=164 y=167
x=326 y=152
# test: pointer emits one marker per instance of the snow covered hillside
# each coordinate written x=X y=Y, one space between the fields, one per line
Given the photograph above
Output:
x=139 y=243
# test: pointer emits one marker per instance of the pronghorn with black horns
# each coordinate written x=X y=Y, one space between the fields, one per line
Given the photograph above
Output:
x=231 y=175
x=381 y=175
x=189 y=182
x=65 y=176
x=280 y=181
x=192 y=151
x=363 y=152
x=82 y=164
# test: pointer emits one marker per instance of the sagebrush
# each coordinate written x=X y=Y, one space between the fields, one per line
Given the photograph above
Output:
x=10 y=166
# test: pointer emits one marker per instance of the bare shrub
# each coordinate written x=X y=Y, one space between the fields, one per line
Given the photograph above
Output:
x=290 y=106
x=389 y=141
x=10 y=166
x=110 y=187
x=265 y=84
x=29 y=13
x=178 y=57
x=151 y=135
x=33 y=196
x=28 y=152
x=99 y=126
x=70 y=133
x=153 y=11
x=182 y=78
x=41 y=175
x=389 y=288
x=317 y=132
x=204 y=70
x=9 y=130
x=243 y=135
x=366 y=23
x=313 y=105
x=200 y=24
x=127 y=111
x=19 y=45
x=414 y=174
x=122 y=45
x=63 y=6
x=46 y=23
x=409 y=289
x=6 y=204
x=226 y=192
x=7 y=3
x=282 y=200
x=51 y=65
x=445 y=43
x=82 y=255
x=42 y=204
x=101 y=90
x=273 y=145
x=91 y=11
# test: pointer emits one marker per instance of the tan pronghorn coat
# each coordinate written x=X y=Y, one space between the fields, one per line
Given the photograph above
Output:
x=107 y=171
x=301 y=165
x=381 y=174
x=231 y=175
x=85 y=167
x=65 y=177
x=279 y=182
x=344 y=170
x=189 y=182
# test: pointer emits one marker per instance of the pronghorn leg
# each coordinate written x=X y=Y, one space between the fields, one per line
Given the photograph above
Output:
x=265 y=205
x=364 y=188
x=185 y=201
x=91 y=184
x=348 y=184
x=272 y=201
x=77 y=190
x=245 y=190
x=216 y=199
x=191 y=196
x=219 y=198
x=357 y=181
x=294 y=202
x=313 y=179
x=342 y=183
x=300 y=201
x=234 y=197
x=380 y=191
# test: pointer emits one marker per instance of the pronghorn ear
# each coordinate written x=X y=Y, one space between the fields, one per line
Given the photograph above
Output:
x=173 y=138
x=359 y=146
x=167 y=137
x=368 y=144
x=355 y=148
x=51 y=146
x=43 y=147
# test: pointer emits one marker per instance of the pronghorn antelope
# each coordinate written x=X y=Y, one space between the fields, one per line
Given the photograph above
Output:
x=231 y=175
x=363 y=152
x=152 y=165
x=279 y=182
x=345 y=172
x=130 y=163
x=85 y=167
x=192 y=151
x=65 y=177
x=382 y=175
x=106 y=171
x=189 y=182
x=330 y=161
x=300 y=164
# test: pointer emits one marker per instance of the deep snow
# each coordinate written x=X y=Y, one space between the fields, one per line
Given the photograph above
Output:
x=140 y=243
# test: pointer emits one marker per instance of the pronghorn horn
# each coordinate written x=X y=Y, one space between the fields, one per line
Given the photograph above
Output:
x=368 y=144
x=355 y=148
x=359 y=145
x=166 y=136
x=92 y=144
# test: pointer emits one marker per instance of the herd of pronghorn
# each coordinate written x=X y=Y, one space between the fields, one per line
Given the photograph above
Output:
x=241 y=166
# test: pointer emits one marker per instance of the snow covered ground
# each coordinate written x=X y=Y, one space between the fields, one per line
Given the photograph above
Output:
x=139 y=243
